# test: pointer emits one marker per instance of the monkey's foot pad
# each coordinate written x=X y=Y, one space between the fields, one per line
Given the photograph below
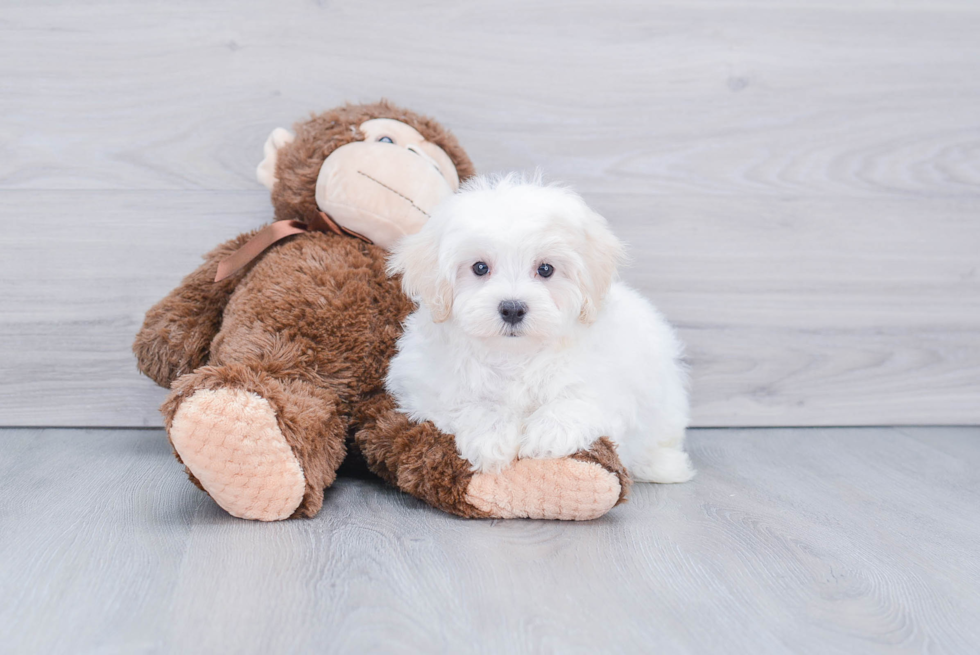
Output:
x=231 y=442
x=564 y=489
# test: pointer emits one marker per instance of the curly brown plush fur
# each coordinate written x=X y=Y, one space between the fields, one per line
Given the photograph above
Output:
x=603 y=453
x=177 y=332
x=310 y=326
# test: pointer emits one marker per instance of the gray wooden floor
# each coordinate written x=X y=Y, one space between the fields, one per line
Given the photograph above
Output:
x=807 y=541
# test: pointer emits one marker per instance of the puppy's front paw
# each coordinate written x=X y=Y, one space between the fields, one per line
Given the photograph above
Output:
x=550 y=435
x=490 y=451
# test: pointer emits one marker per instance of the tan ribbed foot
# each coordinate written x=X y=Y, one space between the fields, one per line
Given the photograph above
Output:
x=563 y=489
x=231 y=442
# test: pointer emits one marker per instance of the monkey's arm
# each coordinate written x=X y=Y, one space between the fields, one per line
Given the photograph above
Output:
x=177 y=332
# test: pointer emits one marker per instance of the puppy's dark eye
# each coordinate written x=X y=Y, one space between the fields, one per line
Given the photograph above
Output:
x=546 y=270
x=385 y=139
x=480 y=268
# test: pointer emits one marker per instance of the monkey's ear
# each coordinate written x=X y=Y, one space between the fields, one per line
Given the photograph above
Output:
x=266 y=172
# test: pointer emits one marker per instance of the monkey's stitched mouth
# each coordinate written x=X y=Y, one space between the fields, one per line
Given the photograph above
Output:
x=400 y=195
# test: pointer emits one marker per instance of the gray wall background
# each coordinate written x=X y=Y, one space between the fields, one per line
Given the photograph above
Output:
x=799 y=181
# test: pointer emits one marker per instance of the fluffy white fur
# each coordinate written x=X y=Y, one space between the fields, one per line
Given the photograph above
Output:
x=591 y=358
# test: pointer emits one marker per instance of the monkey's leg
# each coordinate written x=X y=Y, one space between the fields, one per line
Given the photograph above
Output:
x=262 y=447
x=580 y=487
x=422 y=461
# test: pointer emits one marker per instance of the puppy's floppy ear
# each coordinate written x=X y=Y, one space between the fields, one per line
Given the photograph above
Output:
x=601 y=256
x=416 y=257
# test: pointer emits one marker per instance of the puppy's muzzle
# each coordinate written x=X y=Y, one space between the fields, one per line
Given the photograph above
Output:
x=512 y=311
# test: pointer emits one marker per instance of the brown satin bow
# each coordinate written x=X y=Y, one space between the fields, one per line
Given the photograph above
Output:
x=273 y=233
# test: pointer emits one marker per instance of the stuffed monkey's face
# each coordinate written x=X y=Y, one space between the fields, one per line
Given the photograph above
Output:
x=383 y=187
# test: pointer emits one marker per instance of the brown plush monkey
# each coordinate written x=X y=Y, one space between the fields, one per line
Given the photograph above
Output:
x=272 y=367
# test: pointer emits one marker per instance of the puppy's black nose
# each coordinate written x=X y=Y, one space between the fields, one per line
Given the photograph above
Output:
x=512 y=311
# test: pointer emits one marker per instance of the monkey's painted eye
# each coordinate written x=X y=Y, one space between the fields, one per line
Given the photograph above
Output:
x=481 y=269
x=546 y=270
x=385 y=139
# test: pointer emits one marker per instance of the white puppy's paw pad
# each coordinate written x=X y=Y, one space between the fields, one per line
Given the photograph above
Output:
x=562 y=489
x=231 y=442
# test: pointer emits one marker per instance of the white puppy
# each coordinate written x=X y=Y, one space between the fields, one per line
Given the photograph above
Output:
x=525 y=345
